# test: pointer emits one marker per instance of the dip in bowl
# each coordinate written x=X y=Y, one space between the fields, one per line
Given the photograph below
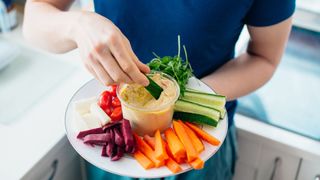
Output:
x=145 y=113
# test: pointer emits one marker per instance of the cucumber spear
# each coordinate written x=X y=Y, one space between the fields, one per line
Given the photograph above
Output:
x=153 y=88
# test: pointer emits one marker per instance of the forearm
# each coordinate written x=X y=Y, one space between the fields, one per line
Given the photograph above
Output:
x=49 y=27
x=241 y=76
x=254 y=68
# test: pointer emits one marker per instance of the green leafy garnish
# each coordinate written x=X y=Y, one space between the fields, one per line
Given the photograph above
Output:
x=174 y=66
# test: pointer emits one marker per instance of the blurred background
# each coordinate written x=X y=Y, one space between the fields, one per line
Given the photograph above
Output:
x=278 y=125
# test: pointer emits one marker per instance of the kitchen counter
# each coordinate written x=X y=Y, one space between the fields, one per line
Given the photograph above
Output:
x=307 y=147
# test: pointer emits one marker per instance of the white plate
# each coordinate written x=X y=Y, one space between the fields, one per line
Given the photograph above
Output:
x=127 y=166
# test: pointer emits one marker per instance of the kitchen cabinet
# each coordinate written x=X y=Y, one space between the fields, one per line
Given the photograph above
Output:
x=310 y=169
x=245 y=172
x=270 y=153
x=60 y=163
x=249 y=152
x=259 y=159
x=275 y=164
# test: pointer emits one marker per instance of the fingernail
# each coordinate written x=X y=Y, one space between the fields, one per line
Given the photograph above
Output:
x=148 y=68
x=146 y=83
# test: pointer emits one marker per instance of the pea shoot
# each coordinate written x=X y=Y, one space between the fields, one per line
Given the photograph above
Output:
x=175 y=66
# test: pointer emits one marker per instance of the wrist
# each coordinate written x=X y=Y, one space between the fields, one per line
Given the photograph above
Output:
x=73 y=24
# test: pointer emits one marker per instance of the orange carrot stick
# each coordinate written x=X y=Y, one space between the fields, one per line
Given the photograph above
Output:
x=160 y=149
x=197 y=163
x=180 y=160
x=150 y=141
x=168 y=149
x=143 y=160
x=173 y=165
x=186 y=141
x=175 y=146
x=147 y=150
x=204 y=135
x=170 y=163
x=197 y=143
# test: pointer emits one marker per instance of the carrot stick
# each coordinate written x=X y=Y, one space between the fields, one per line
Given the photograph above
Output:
x=159 y=149
x=175 y=146
x=168 y=149
x=147 y=150
x=197 y=163
x=170 y=155
x=197 y=143
x=150 y=141
x=143 y=160
x=186 y=141
x=181 y=160
x=170 y=162
x=204 y=135
x=172 y=165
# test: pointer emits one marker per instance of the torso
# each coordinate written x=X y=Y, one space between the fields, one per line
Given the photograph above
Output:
x=208 y=28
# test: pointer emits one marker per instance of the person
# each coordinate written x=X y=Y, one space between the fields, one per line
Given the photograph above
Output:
x=119 y=37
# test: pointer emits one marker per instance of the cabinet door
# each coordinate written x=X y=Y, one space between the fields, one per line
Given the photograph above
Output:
x=61 y=162
x=277 y=165
x=249 y=150
x=245 y=172
x=310 y=170
x=248 y=155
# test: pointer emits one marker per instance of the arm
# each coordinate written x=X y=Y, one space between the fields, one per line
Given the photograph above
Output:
x=105 y=51
x=48 y=25
x=256 y=66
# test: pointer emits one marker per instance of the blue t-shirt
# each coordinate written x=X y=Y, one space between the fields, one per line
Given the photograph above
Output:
x=208 y=28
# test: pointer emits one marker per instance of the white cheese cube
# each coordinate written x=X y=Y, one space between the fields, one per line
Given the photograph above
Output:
x=96 y=111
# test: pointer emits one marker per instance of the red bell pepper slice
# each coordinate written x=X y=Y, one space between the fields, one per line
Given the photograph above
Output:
x=105 y=101
x=116 y=114
x=113 y=91
x=116 y=102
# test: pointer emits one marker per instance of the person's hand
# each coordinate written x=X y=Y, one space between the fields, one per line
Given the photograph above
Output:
x=106 y=52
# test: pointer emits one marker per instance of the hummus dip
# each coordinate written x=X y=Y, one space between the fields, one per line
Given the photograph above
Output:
x=146 y=113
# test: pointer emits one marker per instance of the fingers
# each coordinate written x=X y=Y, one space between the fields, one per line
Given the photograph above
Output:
x=143 y=68
x=91 y=71
x=90 y=67
x=99 y=72
x=126 y=62
x=111 y=66
x=113 y=61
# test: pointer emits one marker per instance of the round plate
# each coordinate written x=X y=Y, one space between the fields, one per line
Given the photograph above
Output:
x=127 y=166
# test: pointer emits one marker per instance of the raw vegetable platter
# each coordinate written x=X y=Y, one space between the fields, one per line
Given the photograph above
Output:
x=128 y=166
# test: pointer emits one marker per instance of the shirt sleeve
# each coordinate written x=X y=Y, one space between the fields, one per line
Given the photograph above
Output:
x=269 y=12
